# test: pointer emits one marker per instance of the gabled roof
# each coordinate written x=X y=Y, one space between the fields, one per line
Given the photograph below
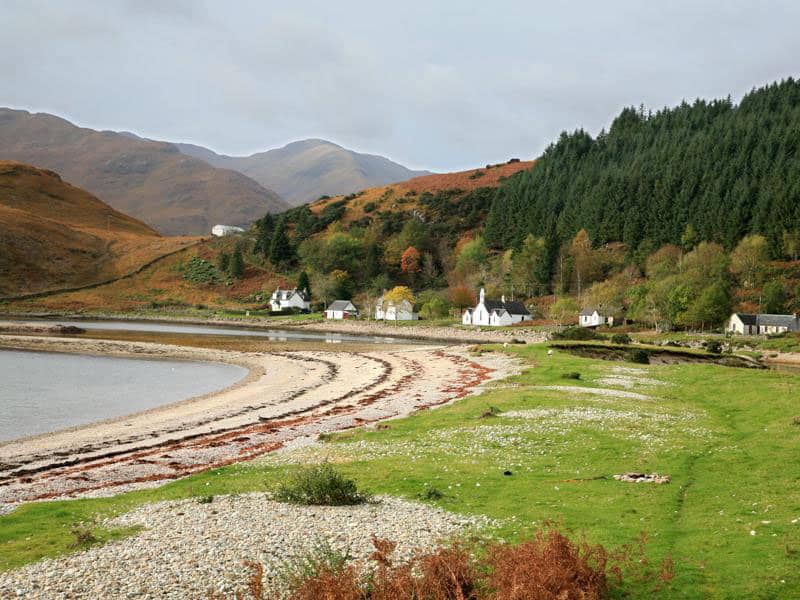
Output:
x=280 y=294
x=499 y=312
x=791 y=322
x=516 y=308
x=341 y=305
x=747 y=318
x=513 y=307
x=589 y=311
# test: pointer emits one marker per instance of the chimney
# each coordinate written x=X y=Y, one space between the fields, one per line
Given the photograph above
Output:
x=482 y=295
x=503 y=298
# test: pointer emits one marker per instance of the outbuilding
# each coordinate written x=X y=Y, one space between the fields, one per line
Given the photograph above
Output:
x=341 y=309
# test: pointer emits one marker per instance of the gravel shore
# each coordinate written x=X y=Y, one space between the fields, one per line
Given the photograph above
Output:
x=188 y=549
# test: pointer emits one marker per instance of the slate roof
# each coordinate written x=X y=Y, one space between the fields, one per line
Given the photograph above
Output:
x=514 y=307
x=791 y=322
x=341 y=305
x=280 y=294
x=747 y=318
x=589 y=311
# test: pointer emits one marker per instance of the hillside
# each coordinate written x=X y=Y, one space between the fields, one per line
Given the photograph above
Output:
x=54 y=235
x=152 y=181
x=726 y=169
x=305 y=170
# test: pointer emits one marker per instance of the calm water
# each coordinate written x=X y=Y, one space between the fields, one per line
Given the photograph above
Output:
x=280 y=335
x=43 y=391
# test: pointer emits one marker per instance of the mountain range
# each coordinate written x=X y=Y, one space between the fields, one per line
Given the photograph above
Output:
x=152 y=181
x=304 y=171
x=184 y=189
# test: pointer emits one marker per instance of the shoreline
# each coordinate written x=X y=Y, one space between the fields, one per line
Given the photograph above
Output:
x=286 y=398
x=419 y=331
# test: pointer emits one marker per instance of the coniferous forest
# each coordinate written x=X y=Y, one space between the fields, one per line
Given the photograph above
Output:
x=726 y=169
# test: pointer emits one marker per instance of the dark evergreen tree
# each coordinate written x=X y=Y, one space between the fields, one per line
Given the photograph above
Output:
x=236 y=264
x=702 y=171
x=303 y=284
x=264 y=227
x=281 y=253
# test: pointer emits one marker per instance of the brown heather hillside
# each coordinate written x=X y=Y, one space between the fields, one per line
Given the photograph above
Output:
x=152 y=181
x=404 y=196
x=54 y=235
x=164 y=284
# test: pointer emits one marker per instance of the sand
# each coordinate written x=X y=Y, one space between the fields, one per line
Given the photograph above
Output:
x=288 y=398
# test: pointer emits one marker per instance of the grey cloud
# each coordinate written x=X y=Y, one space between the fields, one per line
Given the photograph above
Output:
x=436 y=85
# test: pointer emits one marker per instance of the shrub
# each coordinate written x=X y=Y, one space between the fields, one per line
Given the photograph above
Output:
x=369 y=207
x=621 y=338
x=548 y=566
x=83 y=535
x=577 y=334
x=320 y=485
x=639 y=356
x=315 y=568
x=201 y=271
x=205 y=499
x=714 y=346
x=571 y=375
x=432 y=493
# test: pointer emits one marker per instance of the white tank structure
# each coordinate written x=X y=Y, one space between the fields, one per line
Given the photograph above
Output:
x=223 y=230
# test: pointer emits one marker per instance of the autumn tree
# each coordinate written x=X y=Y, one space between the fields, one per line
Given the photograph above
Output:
x=410 y=262
x=397 y=294
x=461 y=296
x=791 y=244
x=750 y=259
x=585 y=263
x=664 y=262
x=563 y=310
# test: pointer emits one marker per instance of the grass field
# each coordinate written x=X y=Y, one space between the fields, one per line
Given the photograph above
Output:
x=730 y=518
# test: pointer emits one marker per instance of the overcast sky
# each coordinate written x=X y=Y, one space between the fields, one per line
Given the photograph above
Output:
x=437 y=85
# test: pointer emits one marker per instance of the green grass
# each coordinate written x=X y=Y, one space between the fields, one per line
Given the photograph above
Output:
x=724 y=435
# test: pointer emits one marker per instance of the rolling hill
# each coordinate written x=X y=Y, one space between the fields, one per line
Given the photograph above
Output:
x=54 y=235
x=303 y=171
x=152 y=181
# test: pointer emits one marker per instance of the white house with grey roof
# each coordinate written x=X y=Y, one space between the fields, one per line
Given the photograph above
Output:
x=495 y=313
x=594 y=317
x=287 y=299
x=763 y=324
x=341 y=309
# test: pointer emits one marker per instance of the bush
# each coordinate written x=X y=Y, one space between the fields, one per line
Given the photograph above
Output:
x=201 y=271
x=369 y=207
x=571 y=375
x=320 y=485
x=714 y=346
x=432 y=493
x=621 y=338
x=639 y=356
x=577 y=334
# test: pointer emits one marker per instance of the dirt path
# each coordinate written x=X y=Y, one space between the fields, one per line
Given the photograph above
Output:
x=288 y=397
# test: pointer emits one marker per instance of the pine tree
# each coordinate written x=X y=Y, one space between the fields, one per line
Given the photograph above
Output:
x=236 y=265
x=303 y=283
x=281 y=253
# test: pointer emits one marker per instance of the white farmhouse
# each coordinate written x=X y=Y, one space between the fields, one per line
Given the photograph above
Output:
x=749 y=324
x=285 y=299
x=341 y=309
x=223 y=230
x=495 y=312
x=391 y=311
x=592 y=317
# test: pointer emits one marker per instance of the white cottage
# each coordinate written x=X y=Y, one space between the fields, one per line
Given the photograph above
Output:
x=391 y=311
x=495 y=313
x=223 y=230
x=592 y=317
x=750 y=324
x=341 y=309
x=286 y=299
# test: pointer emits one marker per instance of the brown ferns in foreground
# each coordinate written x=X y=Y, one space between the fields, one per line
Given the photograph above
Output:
x=548 y=567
